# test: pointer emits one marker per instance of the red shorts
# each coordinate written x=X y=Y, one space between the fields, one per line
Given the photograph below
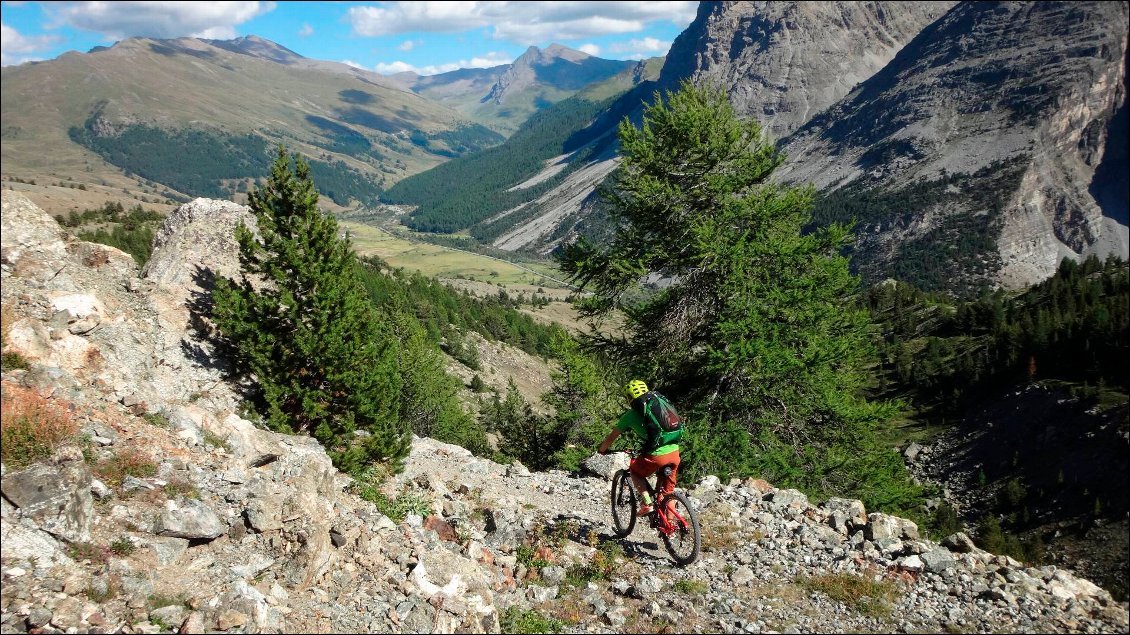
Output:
x=645 y=466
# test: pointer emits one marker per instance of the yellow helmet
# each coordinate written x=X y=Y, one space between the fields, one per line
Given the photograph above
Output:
x=634 y=389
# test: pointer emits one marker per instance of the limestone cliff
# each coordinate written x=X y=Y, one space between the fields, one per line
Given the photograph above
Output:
x=1000 y=116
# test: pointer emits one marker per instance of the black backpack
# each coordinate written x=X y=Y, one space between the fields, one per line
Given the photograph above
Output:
x=662 y=423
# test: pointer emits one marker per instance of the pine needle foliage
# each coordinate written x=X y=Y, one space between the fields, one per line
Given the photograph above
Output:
x=754 y=326
x=322 y=357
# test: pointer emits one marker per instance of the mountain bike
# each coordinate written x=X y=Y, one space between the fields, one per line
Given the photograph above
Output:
x=672 y=517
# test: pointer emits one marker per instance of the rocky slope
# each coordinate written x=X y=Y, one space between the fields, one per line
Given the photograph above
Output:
x=785 y=62
x=781 y=62
x=1022 y=100
x=237 y=529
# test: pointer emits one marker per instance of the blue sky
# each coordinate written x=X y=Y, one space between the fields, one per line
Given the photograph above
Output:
x=426 y=37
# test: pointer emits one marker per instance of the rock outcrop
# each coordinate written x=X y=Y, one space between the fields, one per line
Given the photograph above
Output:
x=178 y=515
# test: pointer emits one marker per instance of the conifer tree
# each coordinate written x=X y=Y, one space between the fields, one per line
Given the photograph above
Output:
x=754 y=327
x=322 y=360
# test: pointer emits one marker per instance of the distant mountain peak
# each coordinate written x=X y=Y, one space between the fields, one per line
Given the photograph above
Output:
x=256 y=46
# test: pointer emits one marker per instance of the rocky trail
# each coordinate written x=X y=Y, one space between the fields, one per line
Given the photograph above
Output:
x=231 y=528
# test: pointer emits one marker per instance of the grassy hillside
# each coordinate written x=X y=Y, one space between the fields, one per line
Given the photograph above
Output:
x=187 y=95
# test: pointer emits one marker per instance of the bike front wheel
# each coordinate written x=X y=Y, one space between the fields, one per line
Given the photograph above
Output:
x=623 y=504
x=684 y=539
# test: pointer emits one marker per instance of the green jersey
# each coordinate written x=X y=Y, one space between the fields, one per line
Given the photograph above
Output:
x=632 y=420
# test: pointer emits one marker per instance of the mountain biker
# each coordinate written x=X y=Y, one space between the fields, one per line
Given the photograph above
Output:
x=647 y=463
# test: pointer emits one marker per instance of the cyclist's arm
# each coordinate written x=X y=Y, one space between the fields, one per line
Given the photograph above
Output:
x=608 y=440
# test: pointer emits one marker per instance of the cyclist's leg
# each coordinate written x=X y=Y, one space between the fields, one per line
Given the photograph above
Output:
x=642 y=468
x=666 y=485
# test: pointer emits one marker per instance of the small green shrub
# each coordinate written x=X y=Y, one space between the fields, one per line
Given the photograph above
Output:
x=127 y=462
x=365 y=485
x=862 y=593
x=215 y=440
x=157 y=419
x=122 y=546
x=519 y=620
x=13 y=361
x=96 y=554
x=690 y=587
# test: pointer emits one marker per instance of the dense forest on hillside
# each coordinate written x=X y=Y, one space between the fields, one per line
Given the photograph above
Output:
x=218 y=161
x=1072 y=327
x=438 y=308
x=464 y=191
x=1040 y=379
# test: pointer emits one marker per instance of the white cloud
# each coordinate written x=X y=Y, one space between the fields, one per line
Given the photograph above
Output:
x=408 y=45
x=591 y=49
x=493 y=58
x=646 y=45
x=519 y=22
x=118 y=20
x=638 y=49
x=14 y=46
x=354 y=64
x=395 y=67
x=306 y=30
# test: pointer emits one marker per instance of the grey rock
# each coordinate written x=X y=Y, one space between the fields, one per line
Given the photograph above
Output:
x=191 y=519
x=56 y=496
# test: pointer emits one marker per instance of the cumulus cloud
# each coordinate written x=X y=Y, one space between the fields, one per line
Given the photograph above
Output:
x=638 y=49
x=591 y=49
x=306 y=30
x=493 y=58
x=16 y=47
x=117 y=20
x=519 y=22
x=408 y=45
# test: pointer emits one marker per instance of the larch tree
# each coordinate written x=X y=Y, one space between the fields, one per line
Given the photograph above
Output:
x=735 y=307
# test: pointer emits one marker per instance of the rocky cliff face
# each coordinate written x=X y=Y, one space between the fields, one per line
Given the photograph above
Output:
x=1021 y=97
x=784 y=62
x=234 y=528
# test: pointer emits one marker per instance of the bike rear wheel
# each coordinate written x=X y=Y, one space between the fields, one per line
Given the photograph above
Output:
x=623 y=504
x=684 y=541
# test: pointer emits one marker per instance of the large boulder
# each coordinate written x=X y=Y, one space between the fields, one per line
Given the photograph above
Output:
x=55 y=495
x=32 y=243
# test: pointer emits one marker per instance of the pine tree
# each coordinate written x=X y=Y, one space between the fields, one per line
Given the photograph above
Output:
x=320 y=357
x=756 y=329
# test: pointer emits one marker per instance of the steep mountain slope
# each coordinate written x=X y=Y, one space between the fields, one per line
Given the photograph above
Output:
x=785 y=62
x=792 y=60
x=204 y=522
x=502 y=97
x=973 y=157
x=487 y=190
x=198 y=117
